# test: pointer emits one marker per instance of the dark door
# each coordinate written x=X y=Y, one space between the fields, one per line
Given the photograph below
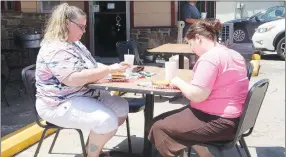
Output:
x=109 y=27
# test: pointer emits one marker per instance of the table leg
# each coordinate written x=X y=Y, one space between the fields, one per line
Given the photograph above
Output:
x=148 y=115
x=181 y=61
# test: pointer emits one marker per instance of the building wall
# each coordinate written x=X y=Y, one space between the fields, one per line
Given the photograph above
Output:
x=227 y=10
x=148 y=14
x=152 y=24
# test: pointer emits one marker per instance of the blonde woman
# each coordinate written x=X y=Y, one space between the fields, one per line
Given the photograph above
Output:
x=64 y=66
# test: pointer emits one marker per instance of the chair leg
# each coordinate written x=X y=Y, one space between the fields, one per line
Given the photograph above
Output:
x=236 y=146
x=40 y=142
x=86 y=144
x=54 y=141
x=3 y=94
x=245 y=147
x=82 y=142
x=240 y=144
x=128 y=135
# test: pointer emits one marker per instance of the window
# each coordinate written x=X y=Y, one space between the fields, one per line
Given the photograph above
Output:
x=203 y=6
x=48 y=6
x=10 y=6
x=272 y=13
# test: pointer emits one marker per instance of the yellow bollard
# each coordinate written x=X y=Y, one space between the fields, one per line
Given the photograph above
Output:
x=256 y=57
x=256 y=67
x=256 y=64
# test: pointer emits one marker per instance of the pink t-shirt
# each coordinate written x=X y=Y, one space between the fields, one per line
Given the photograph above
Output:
x=223 y=71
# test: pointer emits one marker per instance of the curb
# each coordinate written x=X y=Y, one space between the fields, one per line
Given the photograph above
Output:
x=21 y=139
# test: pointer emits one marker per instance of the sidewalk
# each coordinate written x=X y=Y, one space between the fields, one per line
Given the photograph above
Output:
x=267 y=140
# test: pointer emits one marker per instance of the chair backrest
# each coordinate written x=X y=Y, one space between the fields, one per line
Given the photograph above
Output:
x=252 y=107
x=249 y=69
x=122 y=48
x=29 y=81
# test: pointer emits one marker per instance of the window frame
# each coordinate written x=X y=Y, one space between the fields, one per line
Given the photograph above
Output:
x=16 y=6
x=271 y=10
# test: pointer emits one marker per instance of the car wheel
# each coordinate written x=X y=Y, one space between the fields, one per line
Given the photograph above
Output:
x=239 y=35
x=280 y=48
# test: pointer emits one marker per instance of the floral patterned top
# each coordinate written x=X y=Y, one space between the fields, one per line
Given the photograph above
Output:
x=56 y=61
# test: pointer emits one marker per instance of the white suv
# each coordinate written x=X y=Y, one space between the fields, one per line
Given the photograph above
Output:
x=270 y=36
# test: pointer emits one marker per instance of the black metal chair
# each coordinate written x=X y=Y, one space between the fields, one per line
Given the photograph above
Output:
x=249 y=70
x=247 y=120
x=28 y=77
x=5 y=73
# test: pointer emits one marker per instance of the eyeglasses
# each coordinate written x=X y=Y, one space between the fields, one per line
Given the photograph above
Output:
x=80 y=26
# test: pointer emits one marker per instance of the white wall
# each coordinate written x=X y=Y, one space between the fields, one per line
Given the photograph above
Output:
x=227 y=10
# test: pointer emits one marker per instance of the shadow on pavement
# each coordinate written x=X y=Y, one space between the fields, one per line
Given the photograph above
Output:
x=272 y=57
x=270 y=151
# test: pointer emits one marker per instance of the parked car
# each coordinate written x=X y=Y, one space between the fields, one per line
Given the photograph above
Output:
x=270 y=36
x=245 y=28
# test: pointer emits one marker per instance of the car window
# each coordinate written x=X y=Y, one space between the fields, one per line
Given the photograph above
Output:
x=273 y=13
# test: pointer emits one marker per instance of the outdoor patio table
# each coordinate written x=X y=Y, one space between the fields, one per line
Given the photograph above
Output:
x=174 y=49
x=149 y=93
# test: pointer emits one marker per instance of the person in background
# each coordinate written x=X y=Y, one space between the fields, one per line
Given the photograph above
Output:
x=64 y=66
x=217 y=93
x=191 y=15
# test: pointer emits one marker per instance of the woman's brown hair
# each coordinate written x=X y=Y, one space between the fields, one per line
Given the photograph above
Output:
x=206 y=28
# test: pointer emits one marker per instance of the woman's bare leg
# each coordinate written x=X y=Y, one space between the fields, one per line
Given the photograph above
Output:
x=97 y=142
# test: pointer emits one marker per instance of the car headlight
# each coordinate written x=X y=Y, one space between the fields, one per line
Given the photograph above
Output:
x=264 y=29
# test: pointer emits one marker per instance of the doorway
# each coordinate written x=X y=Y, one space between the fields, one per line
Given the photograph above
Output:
x=109 y=26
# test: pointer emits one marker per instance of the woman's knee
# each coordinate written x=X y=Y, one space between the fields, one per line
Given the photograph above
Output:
x=105 y=122
x=122 y=108
x=156 y=131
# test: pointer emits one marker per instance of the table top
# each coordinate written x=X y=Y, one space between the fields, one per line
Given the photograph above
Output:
x=181 y=49
x=132 y=86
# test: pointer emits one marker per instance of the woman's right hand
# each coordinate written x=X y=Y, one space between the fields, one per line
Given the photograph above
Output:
x=117 y=67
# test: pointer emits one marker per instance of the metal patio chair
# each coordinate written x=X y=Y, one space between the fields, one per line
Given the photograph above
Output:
x=28 y=77
x=247 y=120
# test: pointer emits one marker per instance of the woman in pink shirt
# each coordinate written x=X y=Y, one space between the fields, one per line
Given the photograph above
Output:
x=217 y=93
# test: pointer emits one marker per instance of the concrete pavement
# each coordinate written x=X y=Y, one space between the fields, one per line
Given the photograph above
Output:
x=267 y=140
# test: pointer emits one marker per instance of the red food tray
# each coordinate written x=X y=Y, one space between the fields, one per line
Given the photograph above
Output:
x=118 y=80
x=165 y=87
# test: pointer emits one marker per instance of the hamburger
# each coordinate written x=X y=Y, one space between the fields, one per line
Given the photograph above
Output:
x=118 y=75
x=161 y=83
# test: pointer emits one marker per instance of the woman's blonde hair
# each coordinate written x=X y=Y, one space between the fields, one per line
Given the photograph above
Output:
x=56 y=28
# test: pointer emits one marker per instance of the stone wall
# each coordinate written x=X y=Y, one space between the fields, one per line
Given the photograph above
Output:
x=148 y=38
x=12 y=22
